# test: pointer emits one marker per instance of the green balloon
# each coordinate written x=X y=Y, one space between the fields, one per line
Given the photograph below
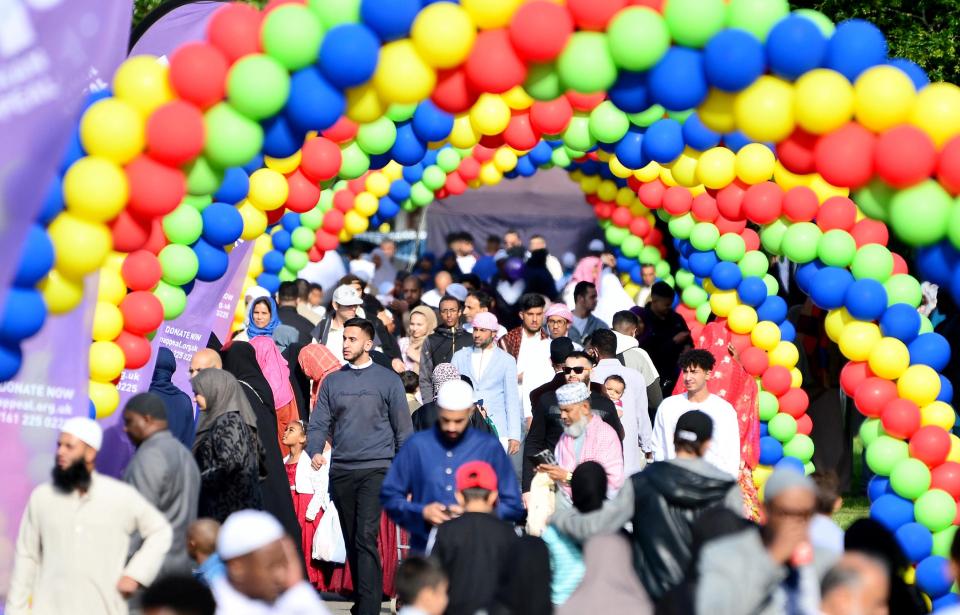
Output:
x=354 y=161
x=631 y=246
x=756 y=16
x=783 y=427
x=198 y=202
x=874 y=199
x=650 y=255
x=704 y=236
x=662 y=267
x=302 y=238
x=334 y=12
x=910 y=478
x=943 y=540
x=608 y=124
x=291 y=34
x=925 y=325
x=680 y=116
x=819 y=19
x=295 y=260
x=286 y=275
x=936 y=509
x=203 y=178
x=837 y=248
x=172 y=298
x=799 y=446
x=420 y=194
x=668 y=279
x=433 y=177
x=585 y=64
x=401 y=113
x=693 y=296
x=903 y=288
x=772 y=285
x=638 y=38
x=377 y=137
x=809 y=468
x=768 y=405
x=577 y=135
x=312 y=219
x=953 y=228
x=179 y=264
x=326 y=200
x=408 y=205
x=771 y=236
x=754 y=263
x=543 y=82
x=232 y=139
x=872 y=261
x=681 y=226
x=574 y=153
x=685 y=278
x=731 y=247
x=647 y=116
x=870 y=430
x=884 y=453
x=183 y=225
x=703 y=313
x=560 y=158
x=694 y=22
x=616 y=235
x=448 y=160
x=919 y=214
x=663 y=215
x=258 y=86
x=800 y=242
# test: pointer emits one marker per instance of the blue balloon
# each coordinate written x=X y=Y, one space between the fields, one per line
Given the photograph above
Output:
x=788 y=332
x=431 y=123
x=915 y=540
x=399 y=190
x=773 y=308
x=348 y=55
x=829 y=287
x=663 y=141
x=188 y=287
x=290 y=221
x=525 y=167
x=930 y=349
x=901 y=321
x=685 y=247
x=378 y=161
x=794 y=46
x=36 y=257
x=388 y=208
x=726 y=276
x=892 y=511
x=222 y=224
x=540 y=154
x=234 y=187
x=213 y=261
x=430 y=157
x=630 y=93
x=933 y=576
x=913 y=70
x=313 y=104
x=764 y=430
x=413 y=173
x=390 y=19
x=791 y=463
x=10 y=359
x=630 y=150
x=938 y=262
x=805 y=273
x=280 y=138
x=946 y=390
x=855 y=46
x=702 y=263
x=73 y=153
x=736 y=140
x=273 y=262
x=878 y=486
x=52 y=203
x=254 y=164
x=23 y=315
x=375 y=221
x=281 y=240
x=771 y=451
x=269 y=281
x=91 y=410
x=697 y=135
x=624 y=263
x=407 y=149
x=677 y=81
x=866 y=299
x=752 y=291
x=945 y=601
x=733 y=59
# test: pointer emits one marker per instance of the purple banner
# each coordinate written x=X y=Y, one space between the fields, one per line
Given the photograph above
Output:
x=50 y=388
x=183 y=24
x=210 y=307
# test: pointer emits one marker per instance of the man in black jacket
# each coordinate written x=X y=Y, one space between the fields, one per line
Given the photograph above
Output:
x=288 y=315
x=440 y=345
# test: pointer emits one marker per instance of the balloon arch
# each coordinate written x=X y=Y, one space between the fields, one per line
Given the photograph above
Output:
x=749 y=130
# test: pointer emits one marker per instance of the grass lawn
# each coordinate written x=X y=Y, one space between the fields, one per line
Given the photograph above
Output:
x=855 y=506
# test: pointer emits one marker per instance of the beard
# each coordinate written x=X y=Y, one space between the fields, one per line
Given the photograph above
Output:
x=73 y=477
x=576 y=429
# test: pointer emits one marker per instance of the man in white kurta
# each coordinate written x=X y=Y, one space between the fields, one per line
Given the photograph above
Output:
x=71 y=554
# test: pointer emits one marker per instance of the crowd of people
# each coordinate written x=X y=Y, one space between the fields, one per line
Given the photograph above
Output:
x=501 y=432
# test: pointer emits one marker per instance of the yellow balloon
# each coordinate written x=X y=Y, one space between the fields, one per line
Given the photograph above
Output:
x=684 y=168
x=625 y=197
x=283 y=165
x=518 y=98
x=490 y=114
x=95 y=189
x=115 y=260
x=937 y=112
x=716 y=112
x=755 y=163
x=491 y=13
x=766 y=335
x=742 y=319
x=104 y=396
x=110 y=287
x=142 y=82
x=784 y=354
x=648 y=173
x=889 y=358
x=402 y=76
x=716 y=167
x=366 y=204
x=463 y=135
x=884 y=96
x=835 y=322
x=709 y=287
x=607 y=190
x=666 y=176
x=355 y=223
x=722 y=302
x=786 y=179
x=377 y=184
x=796 y=378
x=823 y=189
x=954 y=454
x=254 y=221
x=268 y=189
x=262 y=245
x=393 y=171
x=113 y=129
x=858 y=340
x=107 y=321
x=504 y=159
x=937 y=413
x=61 y=294
x=824 y=101
x=617 y=168
x=590 y=184
x=760 y=475
x=256 y=265
x=764 y=111
x=490 y=175
x=344 y=236
x=920 y=384
x=80 y=246
x=364 y=104
x=106 y=361
x=443 y=34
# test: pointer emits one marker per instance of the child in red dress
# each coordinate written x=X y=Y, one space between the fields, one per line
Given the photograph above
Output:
x=308 y=487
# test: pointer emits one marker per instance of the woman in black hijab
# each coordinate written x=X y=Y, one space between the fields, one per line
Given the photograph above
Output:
x=179 y=407
x=240 y=359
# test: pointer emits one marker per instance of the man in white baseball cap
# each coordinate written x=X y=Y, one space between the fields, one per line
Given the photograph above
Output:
x=346 y=301
x=73 y=551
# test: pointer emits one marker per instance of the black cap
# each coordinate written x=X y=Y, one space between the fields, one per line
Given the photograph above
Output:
x=693 y=426
x=560 y=348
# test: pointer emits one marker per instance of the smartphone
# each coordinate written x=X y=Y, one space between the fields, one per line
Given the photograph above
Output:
x=545 y=457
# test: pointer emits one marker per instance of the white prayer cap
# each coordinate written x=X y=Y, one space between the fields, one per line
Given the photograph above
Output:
x=455 y=395
x=572 y=393
x=87 y=430
x=246 y=531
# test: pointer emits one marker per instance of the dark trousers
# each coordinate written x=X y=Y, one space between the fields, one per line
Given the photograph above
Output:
x=356 y=494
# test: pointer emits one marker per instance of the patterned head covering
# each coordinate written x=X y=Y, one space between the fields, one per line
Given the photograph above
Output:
x=444 y=372
x=572 y=393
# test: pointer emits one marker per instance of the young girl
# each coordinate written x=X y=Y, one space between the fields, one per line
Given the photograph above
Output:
x=613 y=388
x=308 y=487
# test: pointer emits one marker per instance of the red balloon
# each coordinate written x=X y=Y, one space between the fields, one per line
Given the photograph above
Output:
x=852 y=374
x=800 y=204
x=343 y=200
x=483 y=154
x=469 y=168
x=442 y=193
x=677 y=200
x=303 y=194
x=136 y=349
x=872 y=395
x=796 y=152
x=730 y=201
x=175 y=133
x=585 y=102
x=621 y=217
x=754 y=360
x=492 y=141
x=198 y=74
x=594 y=14
x=845 y=157
x=763 y=203
x=520 y=133
x=274 y=216
x=493 y=65
x=551 y=117
x=946 y=476
x=157 y=239
x=837 y=212
x=794 y=402
x=275 y=4
x=344 y=130
x=751 y=239
x=870 y=231
x=640 y=226
x=142 y=312
x=326 y=241
x=900 y=418
x=740 y=341
x=314 y=254
x=155 y=189
x=357 y=185
x=729 y=226
x=777 y=380
x=453 y=93
x=651 y=194
x=540 y=30
x=899 y=264
x=235 y=31
x=129 y=232
x=931 y=445
x=455 y=184
x=604 y=210
x=332 y=221
x=704 y=208
x=320 y=159
x=141 y=270
x=804 y=424
x=948 y=165
x=655 y=238
x=904 y=156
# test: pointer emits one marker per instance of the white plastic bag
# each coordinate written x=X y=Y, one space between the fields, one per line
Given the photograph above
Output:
x=328 y=543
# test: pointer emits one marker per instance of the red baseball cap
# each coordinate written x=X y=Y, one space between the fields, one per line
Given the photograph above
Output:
x=476 y=474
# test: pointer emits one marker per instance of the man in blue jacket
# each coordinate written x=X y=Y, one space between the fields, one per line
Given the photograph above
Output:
x=425 y=469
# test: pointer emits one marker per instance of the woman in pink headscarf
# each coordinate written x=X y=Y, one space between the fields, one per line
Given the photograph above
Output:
x=611 y=298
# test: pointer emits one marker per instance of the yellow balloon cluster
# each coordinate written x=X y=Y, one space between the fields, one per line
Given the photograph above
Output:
x=106 y=359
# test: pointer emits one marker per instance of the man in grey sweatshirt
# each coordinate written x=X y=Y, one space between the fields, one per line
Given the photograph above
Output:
x=363 y=410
